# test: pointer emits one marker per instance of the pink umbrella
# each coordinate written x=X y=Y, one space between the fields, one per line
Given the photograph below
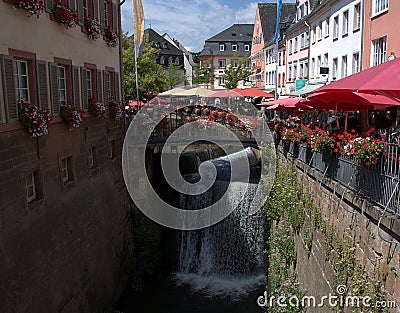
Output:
x=253 y=92
x=157 y=100
x=284 y=101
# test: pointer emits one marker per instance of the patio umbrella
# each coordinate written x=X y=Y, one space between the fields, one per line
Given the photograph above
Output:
x=284 y=108
x=288 y=102
x=253 y=92
x=225 y=93
x=347 y=101
x=381 y=79
x=172 y=92
x=197 y=91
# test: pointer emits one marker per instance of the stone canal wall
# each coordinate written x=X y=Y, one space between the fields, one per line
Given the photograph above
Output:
x=69 y=249
x=336 y=243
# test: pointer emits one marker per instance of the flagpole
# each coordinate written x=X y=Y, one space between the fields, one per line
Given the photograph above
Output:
x=136 y=74
x=137 y=39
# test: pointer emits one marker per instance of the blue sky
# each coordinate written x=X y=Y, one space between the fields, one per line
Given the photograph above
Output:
x=191 y=22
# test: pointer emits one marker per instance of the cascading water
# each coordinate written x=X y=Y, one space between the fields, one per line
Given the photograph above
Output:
x=225 y=259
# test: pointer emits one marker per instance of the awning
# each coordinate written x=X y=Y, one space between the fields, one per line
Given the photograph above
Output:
x=305 y=90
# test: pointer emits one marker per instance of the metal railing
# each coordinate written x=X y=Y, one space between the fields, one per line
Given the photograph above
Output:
x=378 y=183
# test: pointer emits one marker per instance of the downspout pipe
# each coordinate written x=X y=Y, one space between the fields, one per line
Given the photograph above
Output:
x=121 y=68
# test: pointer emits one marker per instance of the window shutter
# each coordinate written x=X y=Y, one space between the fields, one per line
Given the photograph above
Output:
x=80 y=11
x=101 y=6
x=49 y=5
x=75 y=86
x=117 y=84
x=54 y=89
x=96 y=9
x=84 y=89
x=105 y=86
x=115 y=17
x=72 y=5
x=99 y=87
x=9 y=88
x=41 y=72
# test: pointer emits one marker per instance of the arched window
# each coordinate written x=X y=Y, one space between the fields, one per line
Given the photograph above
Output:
x=177 y=61
x=170 y=60
x=162 y=60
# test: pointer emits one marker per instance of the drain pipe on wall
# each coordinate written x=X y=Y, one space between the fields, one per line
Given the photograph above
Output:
x=308 y=52
x=121 y=68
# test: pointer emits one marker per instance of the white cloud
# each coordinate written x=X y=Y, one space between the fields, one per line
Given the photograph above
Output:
x=190 y=22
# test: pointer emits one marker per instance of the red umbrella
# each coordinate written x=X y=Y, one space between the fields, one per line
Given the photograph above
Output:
x=346 y=101
x=253 y=92
x=224 y=94
x=157 y=100
x=287 y=102
x=283 y=108
x=383 y=79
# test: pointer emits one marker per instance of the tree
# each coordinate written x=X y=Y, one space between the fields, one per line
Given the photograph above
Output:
x=205 y=75
x=151 y=76
x=234 y=74
x=174 y=76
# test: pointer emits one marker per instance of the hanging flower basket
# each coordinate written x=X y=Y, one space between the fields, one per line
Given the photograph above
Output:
x=93 y=28
x=34 y=119
x=116 y=110
x=65 y=16
x=111 y=36
x=96 y=108
x=33 y=7
x=72 y=116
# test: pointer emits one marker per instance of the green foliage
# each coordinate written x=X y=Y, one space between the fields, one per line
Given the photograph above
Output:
x=235 y=74
x=151 y=76
x=205 y=75
x=174 y=76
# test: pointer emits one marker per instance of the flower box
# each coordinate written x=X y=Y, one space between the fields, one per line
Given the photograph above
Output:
x=97 y=109
x=116 y=110
x=34 y=119
x=72 y=116
x=111 y=36
x=33 y=7
x=65 y=16
x=93 y=28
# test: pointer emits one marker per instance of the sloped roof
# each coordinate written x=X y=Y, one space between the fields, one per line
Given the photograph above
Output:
x=267 y=13
x=237 y=32
x=165 y=47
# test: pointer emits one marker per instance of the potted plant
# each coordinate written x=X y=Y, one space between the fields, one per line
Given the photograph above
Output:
x=111 y=36
x=33 y=7
x=116 y=110
x=72 y=116
x=93 y=28
x=34 y=119
x=64 y=15
x=97 y=109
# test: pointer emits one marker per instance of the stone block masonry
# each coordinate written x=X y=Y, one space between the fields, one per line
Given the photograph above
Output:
x=71 y=248
x=339 y=243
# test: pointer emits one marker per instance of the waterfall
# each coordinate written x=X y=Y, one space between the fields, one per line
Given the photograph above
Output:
x=225 y=259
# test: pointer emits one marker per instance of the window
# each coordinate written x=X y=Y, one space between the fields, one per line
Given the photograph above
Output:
x=162 y=60
x=345 y=23
x=326 y=60
x=327 y=27
x=246 y=47
x=344 y=66
x=356 y=62
x=89 y=83
x=302 y=40
x=62 y=85
x=234 y=47
x=177 y=62
x=22 y=81
x=112 y=149
x=30 y=187
x=107 y=83
x=295 y=45
x=290 y=73
x=92 y=157
x=294 y=71
x=320 y=31
x=313 y=34
x=221 y=47
x=357 y=17
x=379 y=6
x=378 y=51
x=85 y=8
x=307 y=40
x=222 y=63
x=335 y=27
x=318 y=65
x=105 y=5
x=312 y=69
x=290 y=46
x=235 y=63
x=334 y=68
x=221 y=80
x=66 y=170
x=248 y=63
x=170 y=59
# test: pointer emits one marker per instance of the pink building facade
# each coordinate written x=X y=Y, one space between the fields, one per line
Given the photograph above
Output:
x=381 y=31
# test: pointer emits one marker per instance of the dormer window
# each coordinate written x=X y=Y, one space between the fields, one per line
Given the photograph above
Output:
x=162 y=60
x=234 y=47
x=221 y=47
x=157 y=45
x=177 y=61
x=164 y=45
x=246 y=47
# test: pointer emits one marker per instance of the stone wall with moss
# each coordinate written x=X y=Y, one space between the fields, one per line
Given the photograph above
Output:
x=319 y=241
